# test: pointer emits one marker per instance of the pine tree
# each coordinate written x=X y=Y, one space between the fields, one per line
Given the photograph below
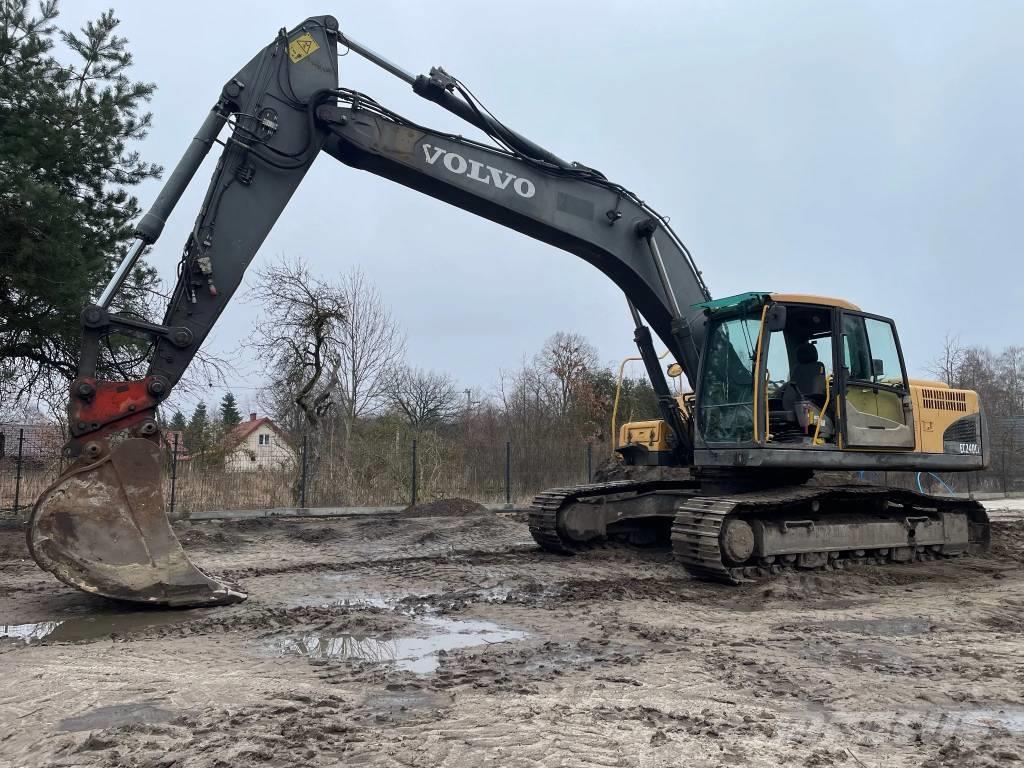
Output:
x=229 y=414
x=69 y=113
x=197 y=436
x=178 y=423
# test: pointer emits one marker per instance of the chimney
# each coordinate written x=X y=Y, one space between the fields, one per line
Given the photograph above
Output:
x=252 y=416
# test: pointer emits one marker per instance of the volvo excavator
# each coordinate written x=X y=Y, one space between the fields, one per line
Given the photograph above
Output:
x=784 y=385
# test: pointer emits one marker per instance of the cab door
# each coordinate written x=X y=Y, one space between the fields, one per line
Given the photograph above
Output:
x=877 y=410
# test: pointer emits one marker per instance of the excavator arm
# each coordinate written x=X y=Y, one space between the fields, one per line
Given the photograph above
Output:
x=101 y=527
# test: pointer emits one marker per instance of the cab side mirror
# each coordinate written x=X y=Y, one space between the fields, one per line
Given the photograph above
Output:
x=877 y=367
x=675 y=370
x=775 y=319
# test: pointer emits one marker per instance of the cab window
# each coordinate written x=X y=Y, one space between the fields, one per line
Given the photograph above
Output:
x=886 y=368
x=727 y=391
x=777 y=360
x=869 y=351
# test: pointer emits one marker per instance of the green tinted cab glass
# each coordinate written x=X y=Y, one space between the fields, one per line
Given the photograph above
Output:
x=725 y=411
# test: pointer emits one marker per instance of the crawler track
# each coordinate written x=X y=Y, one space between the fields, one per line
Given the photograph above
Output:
x=543 y=515
x=696 y=531
x=697 y=527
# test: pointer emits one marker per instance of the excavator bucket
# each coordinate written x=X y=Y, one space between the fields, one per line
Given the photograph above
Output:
x=101 y=527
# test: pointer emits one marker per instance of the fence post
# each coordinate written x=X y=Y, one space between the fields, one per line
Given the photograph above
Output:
x=1004 y=472
x=508 y=474
x=174 y=473
x=413 y=504
x=590 y=462
x=17 y=471
x=303 y=478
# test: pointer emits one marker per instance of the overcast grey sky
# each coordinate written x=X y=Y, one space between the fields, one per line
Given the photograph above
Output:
x=869 y=150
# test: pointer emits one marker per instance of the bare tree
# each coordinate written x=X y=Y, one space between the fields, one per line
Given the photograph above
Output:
x=302 y=335
x=424 y=398
x=370 y=347
x=569 y=358
x=1010 y=365
x=977 y=371
x=526 y=395
x=947 y=367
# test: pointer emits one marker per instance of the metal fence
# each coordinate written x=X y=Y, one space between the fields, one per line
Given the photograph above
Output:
x=414 y=471
x=30 y=460
x=405 y=471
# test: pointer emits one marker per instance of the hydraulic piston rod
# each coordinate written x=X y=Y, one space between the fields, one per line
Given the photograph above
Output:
x=152 y=224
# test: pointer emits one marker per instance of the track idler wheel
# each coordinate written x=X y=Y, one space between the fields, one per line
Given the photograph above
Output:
x=101 y=527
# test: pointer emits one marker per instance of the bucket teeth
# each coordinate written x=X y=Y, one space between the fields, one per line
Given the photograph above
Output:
x=101 y=527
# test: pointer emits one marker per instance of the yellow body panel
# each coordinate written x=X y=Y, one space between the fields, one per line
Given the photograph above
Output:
x=929 y=383
x=652 y=434
x=935 y=409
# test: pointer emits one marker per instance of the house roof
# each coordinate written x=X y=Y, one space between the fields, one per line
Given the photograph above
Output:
x=170 y=442
x=246 y=428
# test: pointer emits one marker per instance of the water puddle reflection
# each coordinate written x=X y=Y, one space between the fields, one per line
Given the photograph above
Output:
x=413 y=654
x=94 y=627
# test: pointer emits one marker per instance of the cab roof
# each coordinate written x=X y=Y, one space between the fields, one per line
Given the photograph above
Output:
x=786 y=298
x=806 y=298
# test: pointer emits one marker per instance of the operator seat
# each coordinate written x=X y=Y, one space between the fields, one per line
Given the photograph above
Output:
x=806 y=381
x=803 y=396
x=809 y=374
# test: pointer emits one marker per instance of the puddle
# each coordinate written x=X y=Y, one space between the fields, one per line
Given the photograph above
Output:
x=338 y=590
x=405 y=704
x=1010 y=719
x=333 y=590
x=28 y=633
x=94 y=627
x=115 y=716
x=886 y=627
x=413 y=654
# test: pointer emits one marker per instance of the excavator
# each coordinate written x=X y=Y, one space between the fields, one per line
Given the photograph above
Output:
x=784 y=386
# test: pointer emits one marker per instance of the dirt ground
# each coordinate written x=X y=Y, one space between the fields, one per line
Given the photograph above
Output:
x=412 y=640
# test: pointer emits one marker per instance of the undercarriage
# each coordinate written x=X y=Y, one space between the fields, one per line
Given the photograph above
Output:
x=743 y=536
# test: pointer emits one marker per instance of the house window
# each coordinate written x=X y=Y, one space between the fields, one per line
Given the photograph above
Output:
x=264 y=439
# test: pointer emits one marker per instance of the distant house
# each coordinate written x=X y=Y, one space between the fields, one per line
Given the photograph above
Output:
x=258 y=444
x=38 y=441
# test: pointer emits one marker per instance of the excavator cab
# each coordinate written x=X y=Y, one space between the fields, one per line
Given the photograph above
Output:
x=789 y=380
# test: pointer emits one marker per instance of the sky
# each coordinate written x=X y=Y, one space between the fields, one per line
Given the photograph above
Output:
x=868 y=150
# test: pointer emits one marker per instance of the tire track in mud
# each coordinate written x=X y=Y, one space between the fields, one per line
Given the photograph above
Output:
x=413 y=559
x=525 y=742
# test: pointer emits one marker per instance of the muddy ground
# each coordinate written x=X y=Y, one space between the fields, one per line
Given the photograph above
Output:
x=451 y=640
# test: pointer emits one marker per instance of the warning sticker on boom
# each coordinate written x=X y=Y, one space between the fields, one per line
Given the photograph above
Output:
x=301 y=47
